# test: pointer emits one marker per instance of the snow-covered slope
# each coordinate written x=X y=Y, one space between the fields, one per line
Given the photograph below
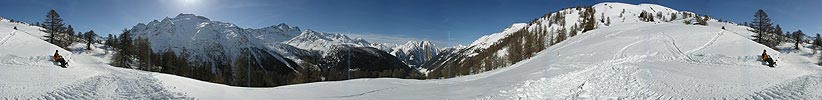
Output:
x=640 y=60
x=488 y=40
x=629 y=61
x=27 y=72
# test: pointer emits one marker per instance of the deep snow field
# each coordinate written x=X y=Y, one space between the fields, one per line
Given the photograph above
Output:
x=627 y=61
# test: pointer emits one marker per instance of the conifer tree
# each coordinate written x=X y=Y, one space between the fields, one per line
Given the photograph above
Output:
x=816 y=43
x=797 y=36
x=588 y=22
x=125 y=50
x=702 y=20
x=89 y=36
x=761 y=25
x=70 y=33
x=55 y=27
x=673 y=17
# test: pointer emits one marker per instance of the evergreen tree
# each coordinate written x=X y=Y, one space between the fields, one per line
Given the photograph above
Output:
x=797 y=36
x=778 y=34
x=588 y=22
x=515 y=48
x=55 y=27
x=573 y=31
x=70 y=33
x=702 y=20
x=778 y=30
x=659 y=16
x=560 y=35
x=89 y=36
x=816 y=43
x=143 y=54
x=608 y=22
x=762 y=26
x=125 y=50
x=673 y=17
x=110 y=41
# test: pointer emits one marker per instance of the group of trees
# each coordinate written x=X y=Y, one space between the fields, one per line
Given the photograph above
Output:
x=137 y=53
x=646 y=16
x=766 y=33
x=771 y=36
x=588 y=22
x=520 y=45
x=817 y=44
x=61 y=35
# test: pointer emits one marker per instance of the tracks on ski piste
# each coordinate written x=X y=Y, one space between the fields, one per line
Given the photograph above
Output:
x=6 y=39
x=116 y=84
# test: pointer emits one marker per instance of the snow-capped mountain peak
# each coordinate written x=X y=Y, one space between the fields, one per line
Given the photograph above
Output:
x=207 y=40
x=415 y=53
x=313 y=40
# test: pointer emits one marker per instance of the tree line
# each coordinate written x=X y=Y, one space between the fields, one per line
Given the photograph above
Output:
x=64 y=35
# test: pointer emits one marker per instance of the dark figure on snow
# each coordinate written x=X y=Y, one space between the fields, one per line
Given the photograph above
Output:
x=60 y=59
x=15 y=28
x=767 y=58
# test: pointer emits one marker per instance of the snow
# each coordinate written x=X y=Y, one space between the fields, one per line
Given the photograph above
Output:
x=199 y=37
x=415 y=53
x=631 y=60
x=27 y=71
x=488 y=40
x=319 y=41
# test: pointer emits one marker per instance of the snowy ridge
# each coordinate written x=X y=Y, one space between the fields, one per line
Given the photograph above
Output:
x=206 y=40
x=415 y=53
x=319 y=41
x=488 y=40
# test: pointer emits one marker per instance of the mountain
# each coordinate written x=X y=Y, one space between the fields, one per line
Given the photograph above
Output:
x=223 y=48
x=200 y=37
x=319 y=41
x=415 y=53
x=631 y=60
x=522 y=40
x=337 y=55
x=278 y=55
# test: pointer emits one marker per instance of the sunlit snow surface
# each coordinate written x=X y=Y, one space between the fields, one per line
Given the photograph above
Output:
x=630 y=60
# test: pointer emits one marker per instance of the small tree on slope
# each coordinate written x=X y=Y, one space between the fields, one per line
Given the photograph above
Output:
x=798 y=37
x=816 y=43
x=89 y=36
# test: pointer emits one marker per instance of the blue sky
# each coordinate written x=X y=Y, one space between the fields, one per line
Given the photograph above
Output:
x=445 y=22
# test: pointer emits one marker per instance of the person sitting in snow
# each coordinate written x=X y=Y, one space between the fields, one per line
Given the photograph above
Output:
x=767 y=58
x=60 y=59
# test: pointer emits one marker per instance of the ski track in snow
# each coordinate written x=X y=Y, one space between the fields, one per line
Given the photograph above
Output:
x=3 y=41
x=709 y=43
x=647 y=62
x=112 y=83
x=624 y=76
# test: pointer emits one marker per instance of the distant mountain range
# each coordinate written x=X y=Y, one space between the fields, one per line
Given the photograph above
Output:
x=281 y=49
